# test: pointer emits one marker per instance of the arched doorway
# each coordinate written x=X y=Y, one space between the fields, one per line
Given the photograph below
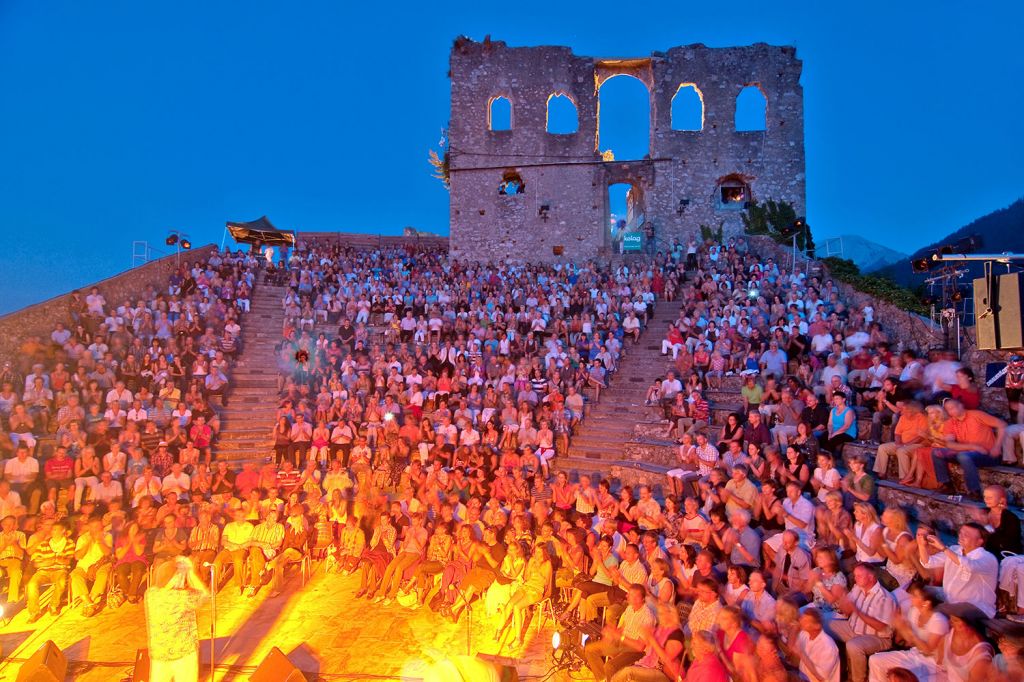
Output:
x=625 y=210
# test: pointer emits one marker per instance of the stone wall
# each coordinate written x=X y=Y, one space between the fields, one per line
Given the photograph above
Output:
x=40 y=318
x=370 y=241
x=562 y=212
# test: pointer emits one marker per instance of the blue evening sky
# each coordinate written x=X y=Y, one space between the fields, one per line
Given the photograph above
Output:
x=122 y=120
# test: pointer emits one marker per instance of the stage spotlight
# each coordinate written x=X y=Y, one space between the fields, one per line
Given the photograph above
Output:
x=921 y=264
x=186 y=244
x=968 y=244
x=171 y=240
x=556 y=640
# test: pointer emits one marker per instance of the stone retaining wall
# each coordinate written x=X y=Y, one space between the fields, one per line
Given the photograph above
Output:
x=39 y=319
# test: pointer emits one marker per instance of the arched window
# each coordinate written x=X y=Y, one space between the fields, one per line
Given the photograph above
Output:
x=751 y=109
x=499 y=113
x=562 y=117
x=624 y=118
x=688 y=108
x=733 y=193
x=511 y=184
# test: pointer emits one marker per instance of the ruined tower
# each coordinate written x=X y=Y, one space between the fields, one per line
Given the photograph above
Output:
x=524 y=192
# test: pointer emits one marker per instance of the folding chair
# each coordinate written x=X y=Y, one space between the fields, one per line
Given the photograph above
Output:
x=543 y=610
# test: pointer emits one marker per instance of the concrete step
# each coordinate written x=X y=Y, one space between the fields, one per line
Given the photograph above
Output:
x=244 y=432
x=1009 y=477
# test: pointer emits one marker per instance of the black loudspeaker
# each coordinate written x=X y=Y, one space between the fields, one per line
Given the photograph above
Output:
x=277 y=668
x=505 y=673
x=48 y=664
x=997 y=312
x=140 y=673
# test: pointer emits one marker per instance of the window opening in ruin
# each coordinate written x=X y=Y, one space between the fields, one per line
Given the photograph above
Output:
x=511 y=184
x=751 y=109
x=625 y=208
x=733 y=194
x=499 y=113
x=688 y=108
x=624 y=118
x=562 y=118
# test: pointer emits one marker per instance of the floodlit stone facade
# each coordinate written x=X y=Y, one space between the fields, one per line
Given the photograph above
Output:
x=525 y=193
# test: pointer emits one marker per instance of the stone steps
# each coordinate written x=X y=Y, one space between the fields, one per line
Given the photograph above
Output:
x=1010 y=477
x=252 y=403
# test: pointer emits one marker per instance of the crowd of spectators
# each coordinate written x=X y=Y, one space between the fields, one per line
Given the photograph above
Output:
x=424 y=406
x=107 y=428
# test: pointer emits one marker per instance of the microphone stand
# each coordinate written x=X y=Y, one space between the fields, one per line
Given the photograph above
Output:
x=213 y=618
x=469 y=620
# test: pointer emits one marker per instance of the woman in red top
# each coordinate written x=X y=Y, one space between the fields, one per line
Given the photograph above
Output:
x=563 y=493
x=965 y=390
x=706 y=666
x=735 y=646
x=130 y=562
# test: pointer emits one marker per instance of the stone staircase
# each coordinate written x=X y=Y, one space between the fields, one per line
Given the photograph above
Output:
x=627 y=442
x=610 y=424
x=248 y=419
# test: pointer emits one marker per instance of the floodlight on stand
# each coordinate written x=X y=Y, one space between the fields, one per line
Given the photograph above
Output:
x=556 y=640
x=968 y=244
x=921 y=264
x=186 y=244
x=172 y=239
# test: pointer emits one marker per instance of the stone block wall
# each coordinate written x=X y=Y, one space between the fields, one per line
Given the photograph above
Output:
x=369 y=241
x=565 y=179
x=39 y=319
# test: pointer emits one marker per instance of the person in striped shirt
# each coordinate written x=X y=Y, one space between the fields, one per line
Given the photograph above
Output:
x=52 y=560
x=264 y=545
x=204 y=540
x=869 y=609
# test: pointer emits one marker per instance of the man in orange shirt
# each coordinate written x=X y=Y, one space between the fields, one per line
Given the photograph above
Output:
x=974 y=439
x=910 y=431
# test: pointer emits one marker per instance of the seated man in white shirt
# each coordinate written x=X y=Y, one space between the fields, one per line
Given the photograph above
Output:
x=630 y=571
x=818 y=653
x=177 y=481
x=799 y=517
x=969 y=572
x=867 y=628
x=107 y=489
x=623 y=645
x=9 y=500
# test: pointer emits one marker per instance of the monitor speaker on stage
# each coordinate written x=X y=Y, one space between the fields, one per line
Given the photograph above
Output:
x=276 y=667
x=48 y=664
x=506 y=673
x=997 y=312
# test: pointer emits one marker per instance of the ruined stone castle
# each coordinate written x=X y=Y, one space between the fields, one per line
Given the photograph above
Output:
x=524 y=192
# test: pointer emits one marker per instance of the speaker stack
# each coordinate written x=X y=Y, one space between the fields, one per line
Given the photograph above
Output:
x=997 y=312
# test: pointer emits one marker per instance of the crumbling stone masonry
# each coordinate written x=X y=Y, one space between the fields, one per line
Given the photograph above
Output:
x=525 y=193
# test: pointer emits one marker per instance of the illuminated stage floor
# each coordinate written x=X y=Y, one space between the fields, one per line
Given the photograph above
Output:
x=320 y=628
